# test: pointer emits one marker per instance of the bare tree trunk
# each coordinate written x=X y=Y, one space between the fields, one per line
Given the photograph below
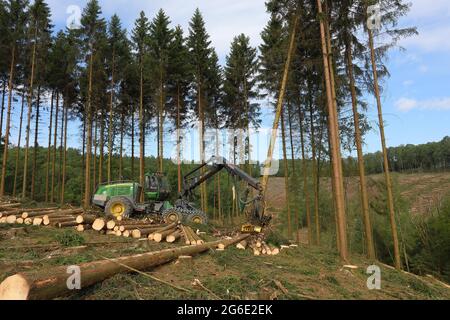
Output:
x=305 y=177
x=361 y=168
x=132 y=144
x=178 y=140
x=279 y=109
x=61 y=145
x=8 y=122
x=16 y=169
x=314 y=171
x=83 y=155
x=141 y=132
x=387 y=175
x=161 y=122
x=3 y=107
x=47 y=172
x=100 y=150
x=55 y=142
x=94 y=162
x=35 y=151
x=111 y=117
x=286 y=176
x=338 y=189
x=201 y=144
x=63 y=181
x=121 y=147
x=87 y=181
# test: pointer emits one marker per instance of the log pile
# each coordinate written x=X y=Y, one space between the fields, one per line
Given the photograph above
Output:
x=259 y=246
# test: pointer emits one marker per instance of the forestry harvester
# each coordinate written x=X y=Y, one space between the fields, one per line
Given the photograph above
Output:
x=122 y=198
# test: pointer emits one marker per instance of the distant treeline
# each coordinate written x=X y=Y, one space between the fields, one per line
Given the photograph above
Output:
x=422 y=157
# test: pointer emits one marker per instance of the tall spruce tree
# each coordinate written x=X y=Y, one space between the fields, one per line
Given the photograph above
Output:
x=15 y=23
x=140 y=40
x=160 y=40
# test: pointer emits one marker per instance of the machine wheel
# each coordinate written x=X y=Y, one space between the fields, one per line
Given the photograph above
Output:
x=119 y=207
x=197 y=217
x=173 y=215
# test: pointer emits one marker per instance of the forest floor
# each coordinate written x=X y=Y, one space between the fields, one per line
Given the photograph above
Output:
x=303 y=272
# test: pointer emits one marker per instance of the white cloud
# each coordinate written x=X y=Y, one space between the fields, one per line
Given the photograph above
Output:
x=406 y=104
x=429 y=9
x=434 y=39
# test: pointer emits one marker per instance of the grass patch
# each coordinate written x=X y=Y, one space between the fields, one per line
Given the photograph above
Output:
x=70 y=238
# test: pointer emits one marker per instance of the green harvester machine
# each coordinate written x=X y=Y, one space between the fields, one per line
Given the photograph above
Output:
x=123 y=198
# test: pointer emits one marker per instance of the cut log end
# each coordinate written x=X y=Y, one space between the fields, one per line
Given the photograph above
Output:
x=98 y=224
x=15 y=287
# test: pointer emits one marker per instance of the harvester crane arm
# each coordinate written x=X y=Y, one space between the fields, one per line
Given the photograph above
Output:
x=194 y=179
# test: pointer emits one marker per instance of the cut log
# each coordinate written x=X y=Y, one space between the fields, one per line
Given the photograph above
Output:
x=11 y=219
x=37 y=221
x=242 y=245
x=186 y=235
x=121 y=228
x=30 y=213
x=126 y=233
x=110 y=225
x=141 y=226
x=171 y=238
x=160 y=235
x=66 y=224
x=99 y=224
x=54 y=213
x=3 y=220
x=136 y=234
x=9 y=205
x=115 y=228
x=52 y=282
x=28 y=221
x=109 y=232
x=86 y=219
x=19 y=220
x=118 y=233
x=83 y=227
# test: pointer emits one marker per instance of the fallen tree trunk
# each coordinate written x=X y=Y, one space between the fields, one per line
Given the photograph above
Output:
x=52 y=212
x=52 y=282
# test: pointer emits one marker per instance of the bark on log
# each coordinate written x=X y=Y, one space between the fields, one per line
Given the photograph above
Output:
x=30 y=213
x=86 y=219
x=67 y=224
x=52 y=282
x=160 y=235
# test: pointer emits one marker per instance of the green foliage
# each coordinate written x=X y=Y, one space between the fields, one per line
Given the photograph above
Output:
x=70 y=238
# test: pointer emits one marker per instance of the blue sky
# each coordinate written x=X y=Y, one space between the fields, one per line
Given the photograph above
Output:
x=416 y=99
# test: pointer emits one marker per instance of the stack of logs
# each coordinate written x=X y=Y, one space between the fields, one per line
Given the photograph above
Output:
x=259 y=246
x=45 y=216
x=147 y=229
